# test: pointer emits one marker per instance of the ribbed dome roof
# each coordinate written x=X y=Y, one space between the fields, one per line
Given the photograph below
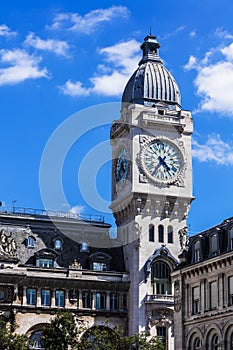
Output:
x=151 y=82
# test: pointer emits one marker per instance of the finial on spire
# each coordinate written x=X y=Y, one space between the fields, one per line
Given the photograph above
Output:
x=150 y=31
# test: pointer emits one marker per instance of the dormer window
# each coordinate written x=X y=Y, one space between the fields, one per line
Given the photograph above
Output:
x=197 y=252
x=46 y=258
x=58 y=244
x=100 y=262
x=31 y=242
x=84 y=247
x=214 y=248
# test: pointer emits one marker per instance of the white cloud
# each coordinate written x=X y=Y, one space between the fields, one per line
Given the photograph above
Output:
x=6 y=31
x=214 y=80
x=214 y=150
x=88 y=22
x=193 y=33
x=120 y=61
x=223 y=34
x=75 y=89
x=77 y=209
x=58 y=47
x=21 y=66
x=228 y=52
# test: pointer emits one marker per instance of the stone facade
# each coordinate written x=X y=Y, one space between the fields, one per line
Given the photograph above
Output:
x=58 y=262
x=203 y=284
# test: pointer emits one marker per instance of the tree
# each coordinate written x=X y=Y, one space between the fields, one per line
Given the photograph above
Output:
x=11 y=341
x=64 y=334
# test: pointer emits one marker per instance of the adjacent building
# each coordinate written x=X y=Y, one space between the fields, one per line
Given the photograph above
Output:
x=203 y=291
x=57 y=261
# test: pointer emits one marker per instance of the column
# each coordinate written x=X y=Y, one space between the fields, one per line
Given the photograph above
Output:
x=187 y=313
x=107 y=300
x=93 y=300
x=52 y=297
x=24 y=295
x=202 y=296
x=80 y=302
x=220 y=291
x=39 y=296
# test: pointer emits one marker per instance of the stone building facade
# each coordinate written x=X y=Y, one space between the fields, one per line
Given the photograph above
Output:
x=203 y=291
x=58 y=262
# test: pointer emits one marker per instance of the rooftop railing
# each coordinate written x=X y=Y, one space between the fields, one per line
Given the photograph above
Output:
x=53 y=213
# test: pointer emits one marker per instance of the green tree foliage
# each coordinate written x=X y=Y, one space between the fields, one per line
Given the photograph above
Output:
x=11 y=341
x=63 y=334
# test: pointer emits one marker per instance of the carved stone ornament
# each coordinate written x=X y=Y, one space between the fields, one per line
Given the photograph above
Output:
x=8 y=247
x=177 y=303
x=172 y=177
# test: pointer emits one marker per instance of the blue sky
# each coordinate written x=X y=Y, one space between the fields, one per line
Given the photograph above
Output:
x=59 y=57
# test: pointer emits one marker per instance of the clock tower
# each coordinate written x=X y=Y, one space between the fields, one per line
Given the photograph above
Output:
x=151 y=189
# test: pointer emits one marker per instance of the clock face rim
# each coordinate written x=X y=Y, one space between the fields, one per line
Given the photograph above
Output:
x=121 y=157
x=179 y=155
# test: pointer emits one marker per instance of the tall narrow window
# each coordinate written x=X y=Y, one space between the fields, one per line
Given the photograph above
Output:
x=170 y=234
x=100 y=301
x=151 y=233
x=45 y=297
x=162 y=334
x=215 y=343
x=196 y=300
x=161 y=278
x=214 y=244
x=86 y=300
x=230 y=290
x=213 y=295
x=113 y=301
x=161 y=233
x=197 y=251
x=31 y=296
x=30 y=242
x=60 y=298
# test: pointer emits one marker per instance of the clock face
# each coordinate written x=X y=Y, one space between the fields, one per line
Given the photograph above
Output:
x=122 y=165
x=162 y=161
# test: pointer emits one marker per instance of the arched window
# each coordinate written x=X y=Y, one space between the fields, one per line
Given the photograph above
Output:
x=31 y=242
x=161 y=278
x=197 y=344
x=215 y=343
x=197 y=251
x=151 y=233
x=36 y=341
x=84 y=247
x=214 y=244
x=161 y=233
x=58 y=244
x=170 y=234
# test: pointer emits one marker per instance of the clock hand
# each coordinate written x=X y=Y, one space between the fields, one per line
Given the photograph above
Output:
x=162 y=162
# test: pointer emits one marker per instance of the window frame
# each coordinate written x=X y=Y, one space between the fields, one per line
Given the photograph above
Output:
x=31 y=296
x=45 y=297
x=59 y=301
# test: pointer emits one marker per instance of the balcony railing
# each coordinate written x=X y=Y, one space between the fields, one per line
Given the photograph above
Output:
x=159 y=297
x=42 y=212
